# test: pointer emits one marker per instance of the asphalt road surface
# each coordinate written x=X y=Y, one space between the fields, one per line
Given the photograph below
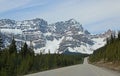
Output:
x=84 y=69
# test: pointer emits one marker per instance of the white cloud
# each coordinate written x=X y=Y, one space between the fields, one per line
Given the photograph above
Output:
x=6 y=5
x=86 y=12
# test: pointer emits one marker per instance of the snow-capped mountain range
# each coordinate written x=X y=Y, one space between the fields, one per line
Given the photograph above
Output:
x=57 y=37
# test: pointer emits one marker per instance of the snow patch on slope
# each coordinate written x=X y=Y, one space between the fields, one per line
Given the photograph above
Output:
x=51 y=46
x=82 y=49
x=88 y=49
x=48 y=34
x=98 y=42
x=80 y=32
x=69 y=38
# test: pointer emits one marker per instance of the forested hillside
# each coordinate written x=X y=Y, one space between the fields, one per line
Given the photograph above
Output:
x=109 y=53
x=15 y=62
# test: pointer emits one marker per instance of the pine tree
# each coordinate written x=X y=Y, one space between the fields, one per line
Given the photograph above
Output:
x=24 y=50
x=110 y=52
x=112 y=39
x=1 y=42
x=119 y=35
x=107 y=40
x=12 y=48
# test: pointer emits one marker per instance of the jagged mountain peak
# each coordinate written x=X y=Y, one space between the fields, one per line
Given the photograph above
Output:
x=62 y=35
x=35 y=20
x=68 y=22
x=107 y=34
x=72 y=21
x=70 y=26
x=109 y=31
x=7 y=21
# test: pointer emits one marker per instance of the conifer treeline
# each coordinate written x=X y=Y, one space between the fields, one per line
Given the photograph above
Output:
x=109 y=53
x=13 y=63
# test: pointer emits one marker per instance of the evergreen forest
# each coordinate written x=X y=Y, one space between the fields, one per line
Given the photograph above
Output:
x=108 y=53
x=15 y=62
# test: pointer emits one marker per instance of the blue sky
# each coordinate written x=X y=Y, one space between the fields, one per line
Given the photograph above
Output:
x=95 y=15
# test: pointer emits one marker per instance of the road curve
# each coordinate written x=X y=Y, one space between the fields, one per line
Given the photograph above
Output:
x=84 y=69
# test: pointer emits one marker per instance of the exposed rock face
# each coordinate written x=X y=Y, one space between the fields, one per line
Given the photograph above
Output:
x=58 y=37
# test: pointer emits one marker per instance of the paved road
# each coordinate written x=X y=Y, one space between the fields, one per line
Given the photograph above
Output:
x=78 y=70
